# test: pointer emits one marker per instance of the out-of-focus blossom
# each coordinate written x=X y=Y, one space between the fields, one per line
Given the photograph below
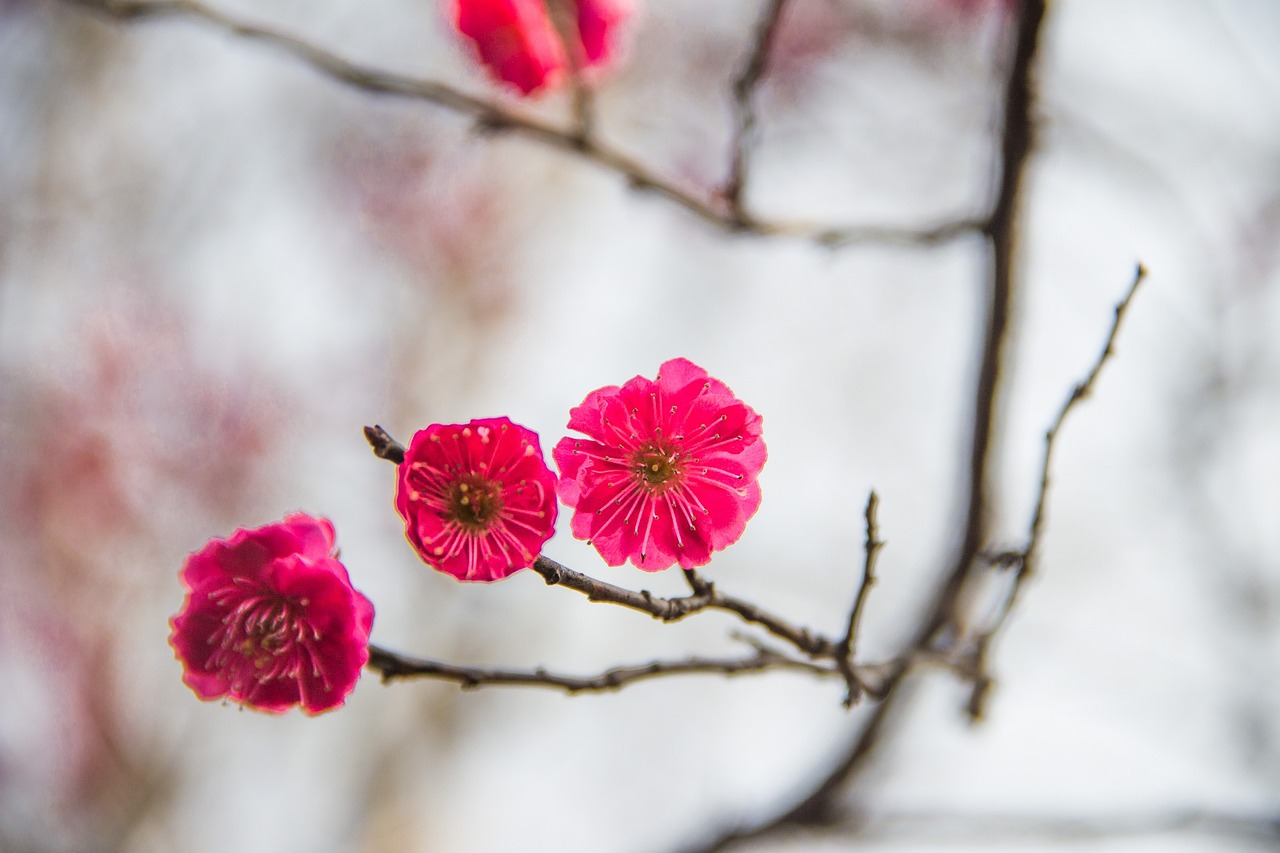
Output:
x=271 y=619
x=597 y=22
x=478 y=499
x=667 y=473
x=519 y=42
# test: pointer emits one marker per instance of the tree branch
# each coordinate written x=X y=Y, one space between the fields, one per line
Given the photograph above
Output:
x=744 y=112
x=847 y=646
x=1026 y=560
x=493 y=117
x=394 y=666
x=674 y=609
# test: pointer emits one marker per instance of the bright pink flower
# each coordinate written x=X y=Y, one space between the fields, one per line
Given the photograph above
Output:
x=271 y=619
x=478 y=500
x=668 y=471
x=518 y=41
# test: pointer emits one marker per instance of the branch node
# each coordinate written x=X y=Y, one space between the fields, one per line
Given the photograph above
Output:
x=384 y=446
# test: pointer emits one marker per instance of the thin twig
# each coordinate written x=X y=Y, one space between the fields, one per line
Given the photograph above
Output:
x=847 y=646
x=673 y=609
x=1078 y=393
x=1026 y=561
x=394 y=666
x=493 y=117
x=744 y=87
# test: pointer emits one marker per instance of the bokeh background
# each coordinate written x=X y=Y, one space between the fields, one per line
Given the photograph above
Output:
x=216 y=265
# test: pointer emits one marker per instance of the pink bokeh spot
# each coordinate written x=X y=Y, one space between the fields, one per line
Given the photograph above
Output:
x=271 y=619
x=598 y=20
x=668 y=472
x=478 y=499
x=519 y=44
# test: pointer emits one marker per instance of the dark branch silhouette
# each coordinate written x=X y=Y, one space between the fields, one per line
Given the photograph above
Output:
x=846 y=649
x=394 y=666
x=744 y=88
x=1024 y=562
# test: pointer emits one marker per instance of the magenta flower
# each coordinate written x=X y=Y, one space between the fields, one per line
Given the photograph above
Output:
x=271 y=619
x=667 y=473
x=518 y=41
x=478 y=500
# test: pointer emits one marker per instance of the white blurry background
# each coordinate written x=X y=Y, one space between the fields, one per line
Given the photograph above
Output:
x=216 y=266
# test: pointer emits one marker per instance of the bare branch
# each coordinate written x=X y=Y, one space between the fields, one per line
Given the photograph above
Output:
x=1016 y=142
x=394 y=666
x=1078 y=393
x=743 y=91
x=1025 y=561
x=493 y=117
x=847 y=646
x=673 y=609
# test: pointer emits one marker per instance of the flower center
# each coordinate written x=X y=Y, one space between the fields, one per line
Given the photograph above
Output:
x=262 y=638
x=658 y=467
x=475 y=501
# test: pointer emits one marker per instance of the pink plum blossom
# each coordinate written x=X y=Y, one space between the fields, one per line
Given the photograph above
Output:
x=478 y=499
x=667 y=472
x=271 y=619
x=518 y=42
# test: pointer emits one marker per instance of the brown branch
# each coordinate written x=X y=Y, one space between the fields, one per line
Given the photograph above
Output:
x=847 y=646
x=1078 y=393
x=743 y=91
x=1026 y=560
x=673 y=609
x=492 y=117
x=394 y=666
x=1016 y=141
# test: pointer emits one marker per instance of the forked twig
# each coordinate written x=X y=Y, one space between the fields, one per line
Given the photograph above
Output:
x=1026 y=560
x=847 y=646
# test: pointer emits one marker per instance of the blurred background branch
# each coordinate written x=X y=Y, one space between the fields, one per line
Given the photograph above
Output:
x=492 y=117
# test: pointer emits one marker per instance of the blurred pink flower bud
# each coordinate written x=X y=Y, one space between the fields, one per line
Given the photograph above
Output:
x=271 y=619
x=518 y=41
